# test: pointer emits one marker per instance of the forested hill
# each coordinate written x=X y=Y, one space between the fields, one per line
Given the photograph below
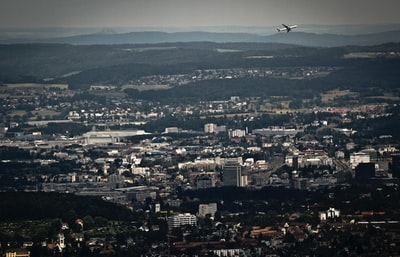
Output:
x=154 y=37
x=82 y=66
x=36 y=62
x=120 y=65
x=367 y=78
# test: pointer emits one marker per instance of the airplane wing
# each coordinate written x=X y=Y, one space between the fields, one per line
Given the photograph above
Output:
x=286 y=28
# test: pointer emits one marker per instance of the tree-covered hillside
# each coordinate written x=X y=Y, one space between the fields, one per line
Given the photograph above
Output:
x=118 y=65
x=38 y=206
x=378 y=76
x=35 y=62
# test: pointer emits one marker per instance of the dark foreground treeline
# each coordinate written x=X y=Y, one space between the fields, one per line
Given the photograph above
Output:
x=39 y=206
x=17 y=206
x=349 y=200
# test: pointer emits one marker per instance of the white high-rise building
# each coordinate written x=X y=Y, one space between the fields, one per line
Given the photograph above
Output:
x=357 y=158
x=331 y=213
x=171 y=130
x=237 y=133
x=157 y=208
x=210 y=128
x=178 y=220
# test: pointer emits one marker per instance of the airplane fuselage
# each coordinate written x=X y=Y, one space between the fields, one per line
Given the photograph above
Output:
x=286 y=28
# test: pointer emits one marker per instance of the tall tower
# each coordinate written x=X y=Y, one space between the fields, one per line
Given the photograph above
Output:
x=232 y=172
x=364 y=172
x=295 y=162
x=395 y=166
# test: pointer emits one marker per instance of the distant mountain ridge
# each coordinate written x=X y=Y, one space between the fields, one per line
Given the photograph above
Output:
x=332 y=40
x=153 y=37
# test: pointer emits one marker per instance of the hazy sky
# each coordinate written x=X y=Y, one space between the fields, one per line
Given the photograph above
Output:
x=189 y=13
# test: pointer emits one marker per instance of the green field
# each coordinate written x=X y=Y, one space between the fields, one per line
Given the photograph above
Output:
x=42 y=113
x=34 y=85
x=330 y=96
x=145 y=87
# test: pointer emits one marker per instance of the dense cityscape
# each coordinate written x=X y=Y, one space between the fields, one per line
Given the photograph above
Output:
x=199 y=149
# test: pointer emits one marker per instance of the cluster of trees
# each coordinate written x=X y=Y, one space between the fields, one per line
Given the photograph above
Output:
x=283 y=200
x=13 y=153
x=67 y=207
x=68 y=129
x=373 y=128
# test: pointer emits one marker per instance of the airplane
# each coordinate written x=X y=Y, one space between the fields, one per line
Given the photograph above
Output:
x=286 y=28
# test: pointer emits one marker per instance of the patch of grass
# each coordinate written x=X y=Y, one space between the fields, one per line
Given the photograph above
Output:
x=329 y=96
x=34 y=85
x=146 y=87
x=45 y=113
x=17 y=113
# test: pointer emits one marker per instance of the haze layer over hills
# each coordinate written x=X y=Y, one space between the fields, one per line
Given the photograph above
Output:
x=306 y=35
